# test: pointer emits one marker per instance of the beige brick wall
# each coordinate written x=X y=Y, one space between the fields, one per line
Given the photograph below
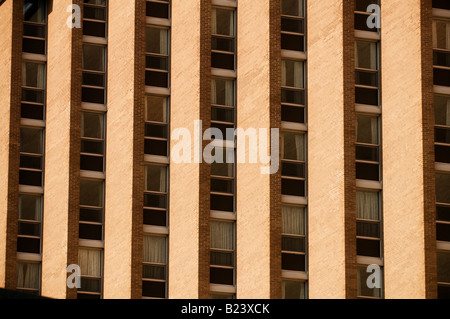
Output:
x=120 y=151
x=57 y=195
x=253 y=111
x=326 y=176
x=185 y=211
x=403 y=150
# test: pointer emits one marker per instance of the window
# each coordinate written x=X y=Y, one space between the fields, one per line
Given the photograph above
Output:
x=222 y=253
x=91 y=209
x=94 y=19
x=293 y=164
x=156 y=126
x=223 y=102
x=441 y=52
x=442 y=128
x=157 y=57
x=154 y=267
x=30 y=228
x=90 y=262
x=292 y=91
x=292 y=25
x=293 y=243
x=223 y=38
x=441 y=4
x=368 y=229
x=33 y=93
x=366 y=73
x=155 y=192
x=93 y=89
x=367 y=148
x=158 y=9
x=363 y=290
x=361 y=14
x=28 y=277
x=34 y=26
x=293 y=289
x=31 y=157
x=222 y=180
x=443 y=207
x=92 y=142
x=443 y=274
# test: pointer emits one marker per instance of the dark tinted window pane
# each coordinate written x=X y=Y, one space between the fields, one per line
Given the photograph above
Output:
x=156 y=201
x=31 y=111
x=32 y=30
x=292 y=114
x=222 y=203
x=91 y=163
x=91 y=95
x=33 y=46
x=441 y=58
x=365 y=229
x=155 y=217
x=367 y=171
x=222 y=44
x=443 y=213
x=222 y=186
x=29 y=245
x=222 y=60
x=441 y=77
x=366 y=247
x=292 y=187
x=32 y=162
x=157 y=10
x=94 y=13
x=293 y=262
x=441 y=4
x=443 y=292
x=154 y=272
x=367 y=153
x=92 y=232
x=361 y=5
x=29 y=229
x=154 y=289
x=292 y=25
x=159 y=79
x=30 y=178
x=293 y=96
x=93 y=79
x=221 y=276
x=156 y=147
x=155 y=130
x=36 y=96
x=90 y=285
x=361 y=23
x=93 y=147
x=293 y=170
x=91 y=215
x=154 y=62
x=222 y=114
x=221 y=258
x=366 y=78
x=442 y=154
x=95 y=29
x=443 y=232
x=296 y=244
x=366 y=96
x=292 y=42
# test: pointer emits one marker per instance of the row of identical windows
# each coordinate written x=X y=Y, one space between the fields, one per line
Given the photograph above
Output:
x=156 y=146
x=293 y=148
x=441 y=66
x=92 y=151
x=32 y=137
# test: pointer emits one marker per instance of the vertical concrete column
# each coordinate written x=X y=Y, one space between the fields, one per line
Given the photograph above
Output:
x=125 y=150
x=253 y=188
x=60 y=219
x=407 y=95
x=189 y=182
x=10 y=91
x=331 y=176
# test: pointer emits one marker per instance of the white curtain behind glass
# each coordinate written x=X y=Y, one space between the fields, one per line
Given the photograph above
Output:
x=367 y=205
x=90 y=262
x=222 y=235
x=28 y=276
x=154 y=249
x=293 y=220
